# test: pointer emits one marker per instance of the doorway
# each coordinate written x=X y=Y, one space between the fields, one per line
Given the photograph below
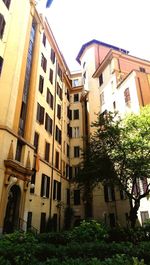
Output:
x=11 y=220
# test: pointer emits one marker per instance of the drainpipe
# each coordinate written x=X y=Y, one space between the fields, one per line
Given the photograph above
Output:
x=53 y=141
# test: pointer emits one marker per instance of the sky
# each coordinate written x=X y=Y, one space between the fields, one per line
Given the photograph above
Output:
x=123 y=23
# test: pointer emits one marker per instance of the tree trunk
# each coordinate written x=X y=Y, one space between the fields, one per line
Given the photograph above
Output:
x=133 y=212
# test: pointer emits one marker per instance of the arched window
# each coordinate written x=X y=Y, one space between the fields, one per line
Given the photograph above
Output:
x=2 y=25
x=7 y=3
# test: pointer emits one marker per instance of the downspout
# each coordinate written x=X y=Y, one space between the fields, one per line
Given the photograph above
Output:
x=53 y=142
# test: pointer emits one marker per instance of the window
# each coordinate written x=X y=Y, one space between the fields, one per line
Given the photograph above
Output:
x=109 y=193
x=102 y=101
x=29 y=221
x=144 y=216
x=67 y=171
x=56 y=190
x=68 y=149
x=70 y=172
x=47 y=151
x=58 y=111
x=75 y=171
x=59 y=72
x=58 y=135
x=59 y=91
x=1 y=64
x=49 y=99
x=44 y=39
x=48 y=124
x=57 y=160
x=142 y=69
x=69 y=130
x=33 y=178
x=43 y=63
x=76 y=197
x=76 y=151
x=76 y=97
x=112 y=220
x=68 y=196
x=75 y=132
x=41 y=83
x=127 y=96
x=36 y=141
x=76 y=114
x=75 y=82
x=2 y=26
x=43 y=223
x=51 y=76
x=40 y=114
x=52 y=56
x=123 y=195
x=69 y=113
x=19 y=150
x=100 y=80
x=7 y=3
x=45 y=185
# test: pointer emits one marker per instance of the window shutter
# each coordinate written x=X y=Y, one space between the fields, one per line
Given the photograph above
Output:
x=47 y=149
x=59 y=191
x=41 y=83
x=42 y=110
x=70 y=132
x=54 y=189
x=42 y=185
x=70 y=172
x=36 y=141
x=48 y=186
x=46 y=121
x=51 y=102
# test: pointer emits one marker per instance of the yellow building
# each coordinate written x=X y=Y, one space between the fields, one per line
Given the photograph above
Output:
x=45 y=113
x=37 y=103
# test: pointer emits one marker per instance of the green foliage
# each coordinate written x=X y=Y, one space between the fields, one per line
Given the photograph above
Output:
x=87 y=244
x=89 y=231
x=119 y=153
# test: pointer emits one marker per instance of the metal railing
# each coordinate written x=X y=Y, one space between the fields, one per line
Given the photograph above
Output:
x=24 y=227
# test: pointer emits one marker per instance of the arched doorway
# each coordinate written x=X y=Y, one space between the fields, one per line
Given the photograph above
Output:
x=12 y=210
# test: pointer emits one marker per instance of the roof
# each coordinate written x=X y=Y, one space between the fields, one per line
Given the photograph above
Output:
x=84 y=46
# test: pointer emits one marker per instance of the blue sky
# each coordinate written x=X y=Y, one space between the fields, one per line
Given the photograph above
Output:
x=121 y=23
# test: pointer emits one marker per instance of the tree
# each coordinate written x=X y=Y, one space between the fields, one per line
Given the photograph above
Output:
x=119 y=153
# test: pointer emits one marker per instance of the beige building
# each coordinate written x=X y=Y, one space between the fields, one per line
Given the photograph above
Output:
x=45 y=114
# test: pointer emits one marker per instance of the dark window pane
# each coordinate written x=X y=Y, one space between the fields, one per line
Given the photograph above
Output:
x=76 y=114
x=43 y=223
x=76 y=197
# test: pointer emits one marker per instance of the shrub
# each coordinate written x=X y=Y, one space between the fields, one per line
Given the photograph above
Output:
x=88 y=231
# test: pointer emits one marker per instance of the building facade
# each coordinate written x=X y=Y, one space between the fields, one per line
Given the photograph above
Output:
x=45 y=114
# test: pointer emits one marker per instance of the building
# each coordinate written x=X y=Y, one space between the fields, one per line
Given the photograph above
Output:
x=115 y=81
x=45 y=112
